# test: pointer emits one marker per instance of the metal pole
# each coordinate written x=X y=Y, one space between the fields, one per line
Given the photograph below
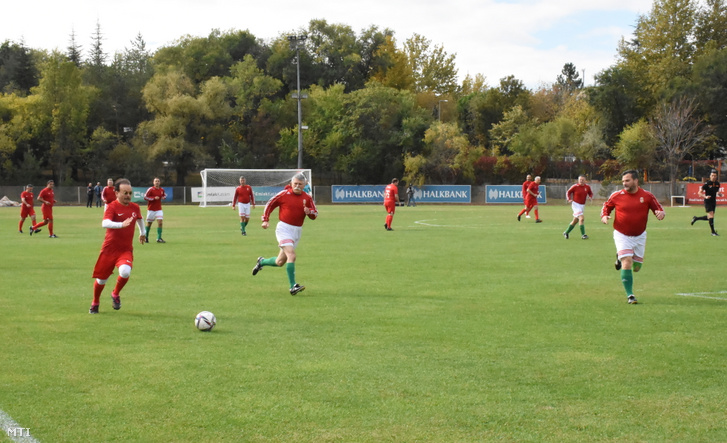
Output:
x=300 y=110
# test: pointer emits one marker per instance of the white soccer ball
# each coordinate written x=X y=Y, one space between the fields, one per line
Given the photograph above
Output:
x=205 y=321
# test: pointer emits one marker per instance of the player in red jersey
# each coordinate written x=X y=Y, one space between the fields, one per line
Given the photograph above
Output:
x=47 y=198
x=632 y=205
x=294 y=205
x=531 y=200
x=391 y=199
x=154 y=197
x=118 y=246
x=526 y=184
x=26 y=208
x=242 y=201
x=108 y=194
x=576 y=196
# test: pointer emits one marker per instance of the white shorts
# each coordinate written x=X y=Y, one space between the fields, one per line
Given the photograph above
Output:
x=288 y=235
x=154 y=215
x=630 y=246
x=577 y=209
x=243 y=209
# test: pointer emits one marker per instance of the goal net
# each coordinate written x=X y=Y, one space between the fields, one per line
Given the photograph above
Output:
x=218 y=185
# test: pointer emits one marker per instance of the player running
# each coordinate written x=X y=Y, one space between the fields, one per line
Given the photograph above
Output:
x=242 y=200
x=709 y=192
x=26 y=208
x=576 y=196
x=117 y=249
x=154 y=197
x=294 y=206
x=632 y=205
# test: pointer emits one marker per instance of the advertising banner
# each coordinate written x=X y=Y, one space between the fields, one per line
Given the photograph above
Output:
x=693 y=197
x=511 y=194
x=224 y=194
x=423 y=194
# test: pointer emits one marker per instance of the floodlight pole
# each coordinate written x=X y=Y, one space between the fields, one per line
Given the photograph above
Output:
x=296 y=41
x=439 y=109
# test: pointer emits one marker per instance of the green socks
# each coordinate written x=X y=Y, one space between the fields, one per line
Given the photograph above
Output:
x=627 y=278
x=570 y=228
x=583 y=229
x=159 y=233
x=269 y=261
x=290 y=268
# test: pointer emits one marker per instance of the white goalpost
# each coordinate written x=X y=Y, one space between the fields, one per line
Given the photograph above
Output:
x=218 y=185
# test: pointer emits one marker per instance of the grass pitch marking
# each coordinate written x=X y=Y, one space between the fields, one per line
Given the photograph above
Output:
x=13 y=430
x=435 y=225
x=703 y=295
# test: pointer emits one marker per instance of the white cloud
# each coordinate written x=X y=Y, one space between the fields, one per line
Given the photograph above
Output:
x=493 y=38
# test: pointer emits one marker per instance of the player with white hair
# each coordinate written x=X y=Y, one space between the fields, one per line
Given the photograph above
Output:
x=294 y=206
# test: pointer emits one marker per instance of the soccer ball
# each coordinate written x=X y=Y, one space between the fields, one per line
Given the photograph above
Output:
x=205 y=321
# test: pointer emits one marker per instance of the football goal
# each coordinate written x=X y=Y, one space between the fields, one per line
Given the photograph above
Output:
x=218 y=185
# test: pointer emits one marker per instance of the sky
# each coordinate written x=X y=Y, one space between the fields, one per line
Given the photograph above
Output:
x=529 y=39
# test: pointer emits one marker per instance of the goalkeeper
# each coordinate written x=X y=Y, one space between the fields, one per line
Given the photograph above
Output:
x=294 y=205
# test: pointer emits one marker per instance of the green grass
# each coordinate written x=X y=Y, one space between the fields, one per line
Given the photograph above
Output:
x=461 y=325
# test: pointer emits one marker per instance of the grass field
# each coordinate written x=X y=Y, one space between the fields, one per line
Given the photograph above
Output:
x=461 y=325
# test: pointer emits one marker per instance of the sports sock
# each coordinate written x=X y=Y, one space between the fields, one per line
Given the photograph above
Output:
x=20 y=225
x=537 y=217
x=97 y=290
x=627 y=278
x=637 y=266
x=711 y=224
x=389 y=219
x=704 y=217
x=242 y=226
x=148 y=228
x=521 y=212
x=50 y=228
x=159 y=233
x=570 y=228
x=120 y=283
x=583 y=229
x=269 y=261
x=290 y=268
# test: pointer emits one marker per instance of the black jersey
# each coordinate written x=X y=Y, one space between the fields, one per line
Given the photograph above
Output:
x=711 y=188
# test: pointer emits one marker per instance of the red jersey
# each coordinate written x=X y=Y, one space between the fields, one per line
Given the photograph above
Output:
x=391 y=194
x=632 y=210
x=578 y=193
x=152 y=203
x=291 y=207
x=108 y=194
x=526 y=183
x=48 y=195
x=27 y=198
x=243 y=194
x=120 y=240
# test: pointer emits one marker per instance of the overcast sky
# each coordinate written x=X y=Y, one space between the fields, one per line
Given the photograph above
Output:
x=530 y=39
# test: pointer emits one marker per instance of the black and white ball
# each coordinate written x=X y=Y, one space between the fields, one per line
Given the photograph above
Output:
x=205 y=321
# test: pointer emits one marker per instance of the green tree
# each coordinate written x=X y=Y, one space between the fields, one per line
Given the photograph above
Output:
x=60 y=108
x=18 y=72
x=433 y=68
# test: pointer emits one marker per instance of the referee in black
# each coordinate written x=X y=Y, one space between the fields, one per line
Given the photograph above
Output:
x=709 y=192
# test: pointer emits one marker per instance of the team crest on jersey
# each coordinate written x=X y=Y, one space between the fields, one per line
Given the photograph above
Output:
x=641 y=199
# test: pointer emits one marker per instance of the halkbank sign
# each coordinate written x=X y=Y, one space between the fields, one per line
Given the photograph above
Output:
x=511 y=194
x=422 y=194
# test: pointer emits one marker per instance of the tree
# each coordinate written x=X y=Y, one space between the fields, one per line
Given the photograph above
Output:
x=18 y=72
x=74 y=51
x=636 y=146
x=615 y=98
x=678 y=132
x=449 y=158
x=60 y=109
x=432 y=67
x=569 y=80
x=709 y=77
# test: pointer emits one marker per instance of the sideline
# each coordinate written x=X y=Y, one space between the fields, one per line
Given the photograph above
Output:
x=424 y=223
x=703 y=295
x=14 y=431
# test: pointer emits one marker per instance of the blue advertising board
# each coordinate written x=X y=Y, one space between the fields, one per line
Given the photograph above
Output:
x=423 y=194
x=510 y=194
